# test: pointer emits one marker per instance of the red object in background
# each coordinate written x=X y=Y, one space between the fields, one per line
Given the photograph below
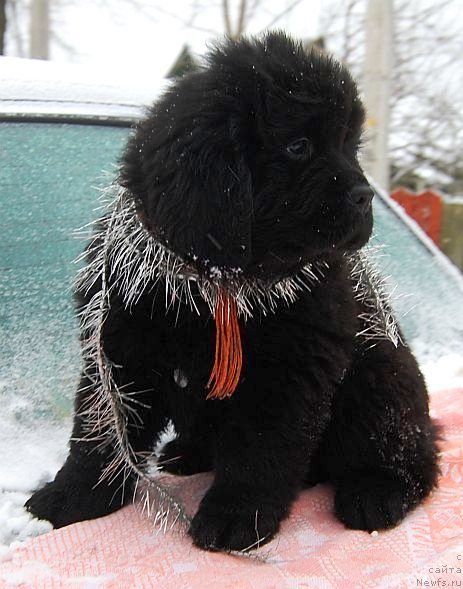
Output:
x=425 y=208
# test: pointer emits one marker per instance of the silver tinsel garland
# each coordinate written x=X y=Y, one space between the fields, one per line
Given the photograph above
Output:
x=126 y=259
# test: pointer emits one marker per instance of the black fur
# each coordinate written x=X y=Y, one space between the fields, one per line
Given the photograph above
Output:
x=250 y=163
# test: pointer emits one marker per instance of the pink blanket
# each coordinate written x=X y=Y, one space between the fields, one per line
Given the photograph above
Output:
x=312 y=550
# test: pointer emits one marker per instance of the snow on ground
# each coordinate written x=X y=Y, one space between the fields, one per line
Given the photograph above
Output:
x=444 y=373
x=29 y=457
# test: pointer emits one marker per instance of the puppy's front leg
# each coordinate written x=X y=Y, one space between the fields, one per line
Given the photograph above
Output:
x=380 y=449
x=79 y=490
x=261 y=456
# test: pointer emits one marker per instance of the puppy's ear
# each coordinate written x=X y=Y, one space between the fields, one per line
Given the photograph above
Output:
x=193 y=189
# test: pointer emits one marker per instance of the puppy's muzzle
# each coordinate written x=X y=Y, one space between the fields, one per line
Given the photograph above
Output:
x=361 y=196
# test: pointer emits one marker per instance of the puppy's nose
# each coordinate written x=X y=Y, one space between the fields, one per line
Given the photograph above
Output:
x=361 y=196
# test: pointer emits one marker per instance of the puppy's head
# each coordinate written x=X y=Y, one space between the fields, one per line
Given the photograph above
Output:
x=249 y=164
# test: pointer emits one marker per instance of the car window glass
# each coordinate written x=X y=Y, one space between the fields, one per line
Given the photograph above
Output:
x=427 y=300
x=48 y=185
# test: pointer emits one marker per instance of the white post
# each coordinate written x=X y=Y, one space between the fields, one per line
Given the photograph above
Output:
x=39 y=29
x=378 y=63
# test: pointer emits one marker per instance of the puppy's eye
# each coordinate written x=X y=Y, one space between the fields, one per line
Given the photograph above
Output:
x=300 y=150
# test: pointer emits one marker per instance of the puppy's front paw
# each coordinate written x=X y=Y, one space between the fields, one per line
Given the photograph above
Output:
x=63 y=503
x=235 y=519
x=49 y=503
x=371 y=502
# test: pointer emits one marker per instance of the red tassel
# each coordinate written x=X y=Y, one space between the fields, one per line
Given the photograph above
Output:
x=226 y=371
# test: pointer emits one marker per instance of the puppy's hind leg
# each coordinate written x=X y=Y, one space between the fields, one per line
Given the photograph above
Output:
x=380 y=449
x=187 y=455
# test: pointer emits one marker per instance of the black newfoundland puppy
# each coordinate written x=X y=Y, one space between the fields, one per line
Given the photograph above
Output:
x=225 y=292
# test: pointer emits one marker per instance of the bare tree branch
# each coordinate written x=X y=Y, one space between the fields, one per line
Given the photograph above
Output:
x=2 y=26
x=426 y=102
x=283 y=13
x=14 y=30
x=252 y=9
x=226 y=18
x=241 y=18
